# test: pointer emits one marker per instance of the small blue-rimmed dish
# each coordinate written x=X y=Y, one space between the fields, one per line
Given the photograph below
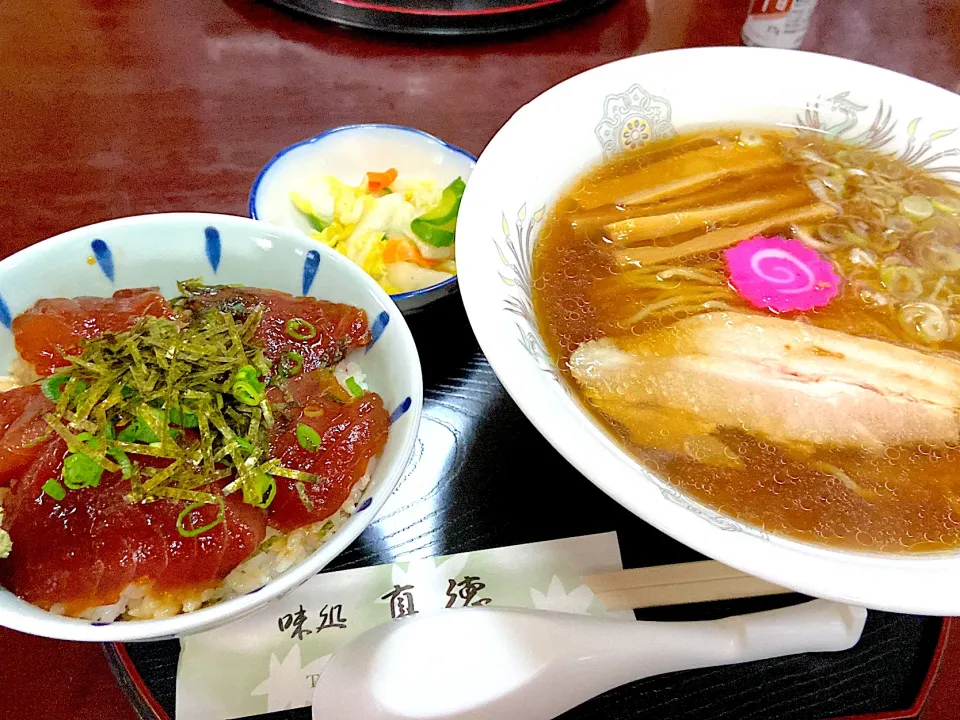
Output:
x=348 y=153
x=159 y=250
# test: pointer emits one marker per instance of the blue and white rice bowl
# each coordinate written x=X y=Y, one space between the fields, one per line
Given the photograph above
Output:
x=159 y=250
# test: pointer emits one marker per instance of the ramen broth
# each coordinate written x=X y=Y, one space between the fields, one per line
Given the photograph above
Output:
x=836 y=424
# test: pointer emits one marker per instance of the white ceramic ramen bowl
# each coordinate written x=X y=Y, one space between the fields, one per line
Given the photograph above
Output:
x=624 y=105
x=158 y=250
x=348 y=153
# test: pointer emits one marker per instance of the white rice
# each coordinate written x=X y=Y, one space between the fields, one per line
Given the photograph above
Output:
x=277 y=553
x=21 y=373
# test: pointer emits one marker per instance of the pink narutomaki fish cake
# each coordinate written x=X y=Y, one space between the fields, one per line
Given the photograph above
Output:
x=781 y=275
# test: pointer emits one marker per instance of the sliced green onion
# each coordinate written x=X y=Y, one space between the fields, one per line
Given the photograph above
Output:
x=197 y=531
x=137 y=431
x=266 y=486
x=53 y=386
x=902 y=281
x=246 y=393
x=88 y=439
x=81 y=471
x=354 y=387
x=183 y=419
x=248 y=373
x=916 y=207
x=833 y=233
x=54 y=489
x=247 y=387
x=308 y=438
x=291 y=364
x=926 y=321
x=123 y=460
x=947 y=204
x=300 y=329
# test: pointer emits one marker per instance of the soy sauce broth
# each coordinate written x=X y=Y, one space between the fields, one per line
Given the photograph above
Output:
x=894 y=241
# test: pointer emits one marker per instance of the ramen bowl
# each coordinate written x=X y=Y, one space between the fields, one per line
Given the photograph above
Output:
x=621 y=107
x=158 y=251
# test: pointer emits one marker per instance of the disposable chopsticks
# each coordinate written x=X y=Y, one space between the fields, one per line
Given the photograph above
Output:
x=676 y=585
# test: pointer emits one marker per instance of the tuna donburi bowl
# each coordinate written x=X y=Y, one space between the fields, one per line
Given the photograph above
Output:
x=740 y=316
x=189 y=431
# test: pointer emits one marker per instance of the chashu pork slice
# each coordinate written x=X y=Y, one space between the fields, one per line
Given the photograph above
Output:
x=787 y=381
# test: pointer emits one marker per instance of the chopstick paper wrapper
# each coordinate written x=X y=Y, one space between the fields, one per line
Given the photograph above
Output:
x=271 y=660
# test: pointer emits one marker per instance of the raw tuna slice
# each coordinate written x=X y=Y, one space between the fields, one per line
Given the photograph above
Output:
x=22 y=429
x=52 y=328
x=84 y=550
x=328 y=332
x=352 y=430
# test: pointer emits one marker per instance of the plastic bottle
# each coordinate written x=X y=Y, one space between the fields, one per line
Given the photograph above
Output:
x=777 y=23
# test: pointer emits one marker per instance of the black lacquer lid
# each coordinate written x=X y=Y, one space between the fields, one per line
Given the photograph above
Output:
x=442 y=17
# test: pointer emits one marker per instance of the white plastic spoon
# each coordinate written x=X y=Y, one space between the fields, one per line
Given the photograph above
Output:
x=498 y=664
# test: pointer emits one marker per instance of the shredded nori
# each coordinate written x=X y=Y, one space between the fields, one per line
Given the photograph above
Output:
x=164 y=389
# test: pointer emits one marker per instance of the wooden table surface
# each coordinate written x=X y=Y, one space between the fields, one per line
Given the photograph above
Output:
x=116 y=108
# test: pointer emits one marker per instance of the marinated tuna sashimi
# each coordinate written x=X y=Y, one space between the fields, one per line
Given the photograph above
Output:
x=56 y=327
x=84 y=549
x=304 y=330
x=22 y=429
x=330 y=434
x=144 y=473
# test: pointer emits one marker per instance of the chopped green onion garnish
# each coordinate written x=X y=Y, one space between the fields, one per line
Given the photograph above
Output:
x=291 y=364
x=137 y=431
x=308 y=438
x=81 y=471
x=126 y=467
x=247 y=387
x=54 y=489
x=916 y=207
x=246 y=393
x=53 y=386
x=193 y=532
x=266 y=486
x=183 y=419
x=354 y=387
x=300 y=329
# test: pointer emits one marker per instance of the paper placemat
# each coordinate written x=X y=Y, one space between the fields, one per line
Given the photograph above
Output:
x=271 y=660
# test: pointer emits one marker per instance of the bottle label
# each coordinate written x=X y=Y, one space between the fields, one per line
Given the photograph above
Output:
x=771 y=9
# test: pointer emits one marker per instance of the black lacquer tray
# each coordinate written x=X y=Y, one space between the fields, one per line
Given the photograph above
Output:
x=483 y=477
